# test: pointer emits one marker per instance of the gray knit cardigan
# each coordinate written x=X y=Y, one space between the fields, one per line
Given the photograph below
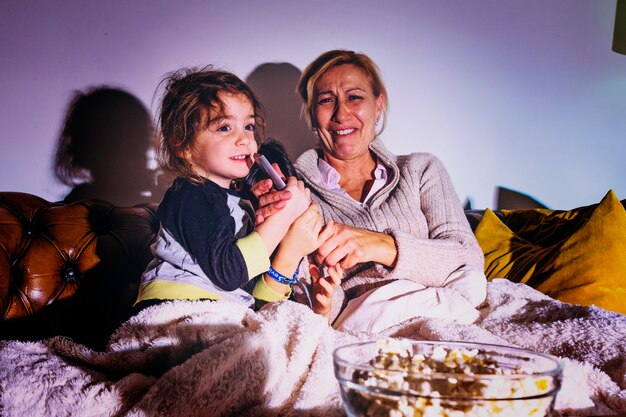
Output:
x=418 y=207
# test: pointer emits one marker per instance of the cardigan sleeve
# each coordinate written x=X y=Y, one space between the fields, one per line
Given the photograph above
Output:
x=450 y=244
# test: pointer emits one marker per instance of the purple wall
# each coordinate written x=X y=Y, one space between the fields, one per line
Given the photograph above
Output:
x=526 y=95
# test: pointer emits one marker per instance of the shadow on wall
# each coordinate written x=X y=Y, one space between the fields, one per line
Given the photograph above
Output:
x=514 y=200
x=508 y=199
x=275 y=85
x=104 y=148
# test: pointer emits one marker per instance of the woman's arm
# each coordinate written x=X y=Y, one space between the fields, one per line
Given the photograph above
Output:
x=399 y=253
x=450 y=243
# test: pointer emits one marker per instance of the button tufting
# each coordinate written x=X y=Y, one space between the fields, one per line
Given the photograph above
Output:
x=30 y=228
x=71 y=275
x=42 y=243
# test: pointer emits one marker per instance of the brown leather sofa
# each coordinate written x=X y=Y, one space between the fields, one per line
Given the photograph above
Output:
x=74 y=269
x=70 y=269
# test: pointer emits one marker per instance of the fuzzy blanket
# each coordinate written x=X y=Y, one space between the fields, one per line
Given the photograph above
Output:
x=187 y=358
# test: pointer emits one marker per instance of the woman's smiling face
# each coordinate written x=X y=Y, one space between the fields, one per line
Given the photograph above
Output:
x=345 y=112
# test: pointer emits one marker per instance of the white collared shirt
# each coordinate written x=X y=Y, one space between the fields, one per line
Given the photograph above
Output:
x=330 y=179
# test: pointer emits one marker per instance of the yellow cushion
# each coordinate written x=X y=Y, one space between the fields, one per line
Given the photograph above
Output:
x=576 y=256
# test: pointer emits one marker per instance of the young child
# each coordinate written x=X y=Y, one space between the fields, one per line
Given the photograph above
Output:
x=208 y=246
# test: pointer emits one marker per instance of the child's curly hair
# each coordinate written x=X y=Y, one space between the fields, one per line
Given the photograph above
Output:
x=191 y=100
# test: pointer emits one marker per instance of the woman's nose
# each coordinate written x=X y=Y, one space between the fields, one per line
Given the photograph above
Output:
x=341 y=113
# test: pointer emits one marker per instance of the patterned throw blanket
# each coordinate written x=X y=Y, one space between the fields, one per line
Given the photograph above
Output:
x=187 y=358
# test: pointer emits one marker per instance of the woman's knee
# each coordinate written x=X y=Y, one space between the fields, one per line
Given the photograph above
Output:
x=470 y=283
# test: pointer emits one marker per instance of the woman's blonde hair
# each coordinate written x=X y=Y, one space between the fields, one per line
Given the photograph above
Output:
x=334 y=58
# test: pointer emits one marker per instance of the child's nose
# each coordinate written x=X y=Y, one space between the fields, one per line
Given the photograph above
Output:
x=243 y=138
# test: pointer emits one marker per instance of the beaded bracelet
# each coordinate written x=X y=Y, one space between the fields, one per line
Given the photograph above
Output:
x=277 y=276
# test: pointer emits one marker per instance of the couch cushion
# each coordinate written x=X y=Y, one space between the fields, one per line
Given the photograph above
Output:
x=576 y=256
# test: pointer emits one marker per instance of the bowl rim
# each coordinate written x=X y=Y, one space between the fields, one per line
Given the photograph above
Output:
x=555 y=371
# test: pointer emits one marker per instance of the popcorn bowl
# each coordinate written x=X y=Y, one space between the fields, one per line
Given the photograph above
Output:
x=395 y=377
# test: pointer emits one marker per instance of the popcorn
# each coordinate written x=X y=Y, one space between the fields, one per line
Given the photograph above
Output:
x=447 y=382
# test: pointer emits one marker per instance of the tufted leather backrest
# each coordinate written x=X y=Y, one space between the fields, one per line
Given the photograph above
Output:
x=70 y=269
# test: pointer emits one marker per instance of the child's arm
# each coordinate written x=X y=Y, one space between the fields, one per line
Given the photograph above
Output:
x=274 y=228
x=302 y=238
x=197 y=226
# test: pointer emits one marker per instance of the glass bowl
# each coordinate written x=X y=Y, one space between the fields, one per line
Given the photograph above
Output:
x=395 y=377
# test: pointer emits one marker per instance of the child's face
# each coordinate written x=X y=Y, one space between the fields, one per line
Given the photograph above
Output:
x=221 y=153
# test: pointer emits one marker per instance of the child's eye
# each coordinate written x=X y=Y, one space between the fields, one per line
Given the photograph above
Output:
x=224 y=128
x=250 y=127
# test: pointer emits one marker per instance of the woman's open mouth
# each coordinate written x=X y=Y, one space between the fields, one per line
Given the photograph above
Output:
x=344 y=132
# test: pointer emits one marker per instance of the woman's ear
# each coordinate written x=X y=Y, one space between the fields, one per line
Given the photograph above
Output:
x=380 y=103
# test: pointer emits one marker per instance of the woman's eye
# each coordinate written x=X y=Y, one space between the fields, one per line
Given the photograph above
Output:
x=325 y=100
x=355 y=98
x=250 y=127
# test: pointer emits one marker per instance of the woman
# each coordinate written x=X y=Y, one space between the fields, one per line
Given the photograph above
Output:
x=400 y=232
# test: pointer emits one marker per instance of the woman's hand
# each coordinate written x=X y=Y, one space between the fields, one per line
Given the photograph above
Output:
x=270 y=201
x=350 y=245
x=324 y=288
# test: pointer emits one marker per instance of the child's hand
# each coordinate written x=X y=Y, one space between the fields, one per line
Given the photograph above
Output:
x=304 y=237
x=324 y=288
x=274 y=228
x=299 y=201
